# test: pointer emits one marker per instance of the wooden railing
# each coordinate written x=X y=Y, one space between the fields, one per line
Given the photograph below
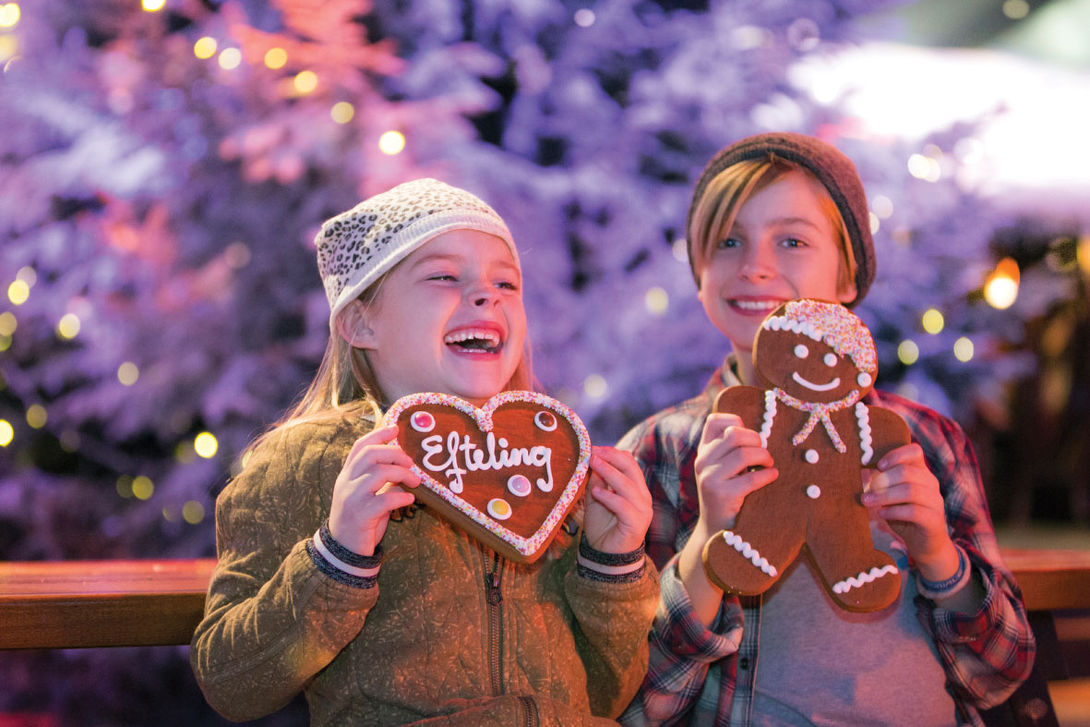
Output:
x=51 y=605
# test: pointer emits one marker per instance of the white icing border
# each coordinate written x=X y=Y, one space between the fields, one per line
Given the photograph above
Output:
x=483 y=417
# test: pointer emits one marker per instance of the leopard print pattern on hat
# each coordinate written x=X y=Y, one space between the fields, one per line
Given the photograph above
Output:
x=355 y=247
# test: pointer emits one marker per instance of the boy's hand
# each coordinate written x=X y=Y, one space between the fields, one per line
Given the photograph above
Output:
x=905 y=494
x=618 y=508
x=364 y=495
x=730 y=463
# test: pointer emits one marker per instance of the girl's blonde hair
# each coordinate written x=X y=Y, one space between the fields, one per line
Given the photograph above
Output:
x=714 y=213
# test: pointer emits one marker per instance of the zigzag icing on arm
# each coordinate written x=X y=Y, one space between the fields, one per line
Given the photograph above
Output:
x=866 y=441
x=749 y=552
x=863 y=578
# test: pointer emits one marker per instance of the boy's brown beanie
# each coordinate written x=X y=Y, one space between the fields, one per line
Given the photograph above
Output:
x=831 y=167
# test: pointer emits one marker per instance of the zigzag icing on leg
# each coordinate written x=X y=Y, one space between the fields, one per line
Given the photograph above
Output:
x=863 y=578
x=749 y=552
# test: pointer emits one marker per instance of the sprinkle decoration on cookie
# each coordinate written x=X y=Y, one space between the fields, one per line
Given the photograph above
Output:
x=508 y=472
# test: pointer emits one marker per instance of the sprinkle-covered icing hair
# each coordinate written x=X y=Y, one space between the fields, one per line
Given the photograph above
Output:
x=830 y=323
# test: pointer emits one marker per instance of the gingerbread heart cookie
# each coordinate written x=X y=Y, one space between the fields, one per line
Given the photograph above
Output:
x=507 y=473
x=815 y=362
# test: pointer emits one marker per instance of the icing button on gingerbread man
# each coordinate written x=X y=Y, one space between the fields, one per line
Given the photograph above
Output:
x=816 y=361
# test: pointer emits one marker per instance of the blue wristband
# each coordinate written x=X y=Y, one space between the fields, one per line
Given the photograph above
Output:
x=943 y=588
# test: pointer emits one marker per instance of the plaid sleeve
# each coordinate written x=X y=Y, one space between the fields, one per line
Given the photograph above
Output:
x=989 y=653
x=682 y=648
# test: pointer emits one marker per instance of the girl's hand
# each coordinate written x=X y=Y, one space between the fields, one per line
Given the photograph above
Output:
x=730 y=463
x=618 y=508
x=365 y=494
x=905 y=494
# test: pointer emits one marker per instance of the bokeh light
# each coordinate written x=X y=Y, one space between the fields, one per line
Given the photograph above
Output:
x=9 y=15
x=128 y=373
x=1082 y=253
x=276 y=58
x=933 y=321
x=391 y=142
x=656 y=300
x=153 y=6
x=7 y=433
x=584 y=17
x=964 y=349
x=595 y=386
x=924 y=167
x=124 y=486
x=36 y=416
x=1001 y=286
x=1016 y=9
x=205 y=47
x=908 y=352
x=18 y=292
x=8 y=324
x=193 y=512
x=230 y=59
x=342 y=112
x=205 y=445
x=305 y=82
x=142 y=487
x=68 y=326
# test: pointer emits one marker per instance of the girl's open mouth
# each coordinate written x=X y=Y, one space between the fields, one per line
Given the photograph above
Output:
x=474 y=340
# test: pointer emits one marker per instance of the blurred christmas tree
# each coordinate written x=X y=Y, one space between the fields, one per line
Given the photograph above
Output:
x=163 y=169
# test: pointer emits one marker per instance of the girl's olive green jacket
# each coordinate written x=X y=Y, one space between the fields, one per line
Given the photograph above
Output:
x=424 y=644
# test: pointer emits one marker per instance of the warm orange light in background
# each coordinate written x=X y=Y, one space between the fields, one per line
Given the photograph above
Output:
x=1082 y=253
x=1001 y=286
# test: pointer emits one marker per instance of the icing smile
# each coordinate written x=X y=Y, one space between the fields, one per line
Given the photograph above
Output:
x=475 y=340
x=815 y=387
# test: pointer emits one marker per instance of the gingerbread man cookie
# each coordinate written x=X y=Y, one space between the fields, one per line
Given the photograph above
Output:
x=507 y=473
x=816 y=361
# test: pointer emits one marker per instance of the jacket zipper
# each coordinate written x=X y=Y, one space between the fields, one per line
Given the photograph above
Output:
x=495 y=622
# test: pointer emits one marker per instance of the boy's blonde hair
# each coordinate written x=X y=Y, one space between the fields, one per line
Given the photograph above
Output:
x=721 y=190
x=712 y=216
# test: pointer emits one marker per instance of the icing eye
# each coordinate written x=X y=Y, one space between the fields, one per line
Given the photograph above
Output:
x=801 y=351
x=831 y=359
x=545 y=420
x=864 y=379
x=499 y=508
x=422 y=421
x=519 y=485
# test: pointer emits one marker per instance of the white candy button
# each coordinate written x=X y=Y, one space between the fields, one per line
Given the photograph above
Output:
x=813 y=492
x=812 y=456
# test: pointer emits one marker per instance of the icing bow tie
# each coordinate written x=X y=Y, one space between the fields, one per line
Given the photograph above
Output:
x=818 y=412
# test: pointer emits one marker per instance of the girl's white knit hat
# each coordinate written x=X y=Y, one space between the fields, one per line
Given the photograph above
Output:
x=358 y=246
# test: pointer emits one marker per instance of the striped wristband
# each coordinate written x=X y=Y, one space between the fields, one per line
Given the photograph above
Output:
x=947 y=587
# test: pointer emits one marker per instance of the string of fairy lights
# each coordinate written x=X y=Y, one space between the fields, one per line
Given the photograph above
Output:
x=999 y=289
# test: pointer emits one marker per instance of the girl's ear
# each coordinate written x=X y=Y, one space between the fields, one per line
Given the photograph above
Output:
x=351 y=323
